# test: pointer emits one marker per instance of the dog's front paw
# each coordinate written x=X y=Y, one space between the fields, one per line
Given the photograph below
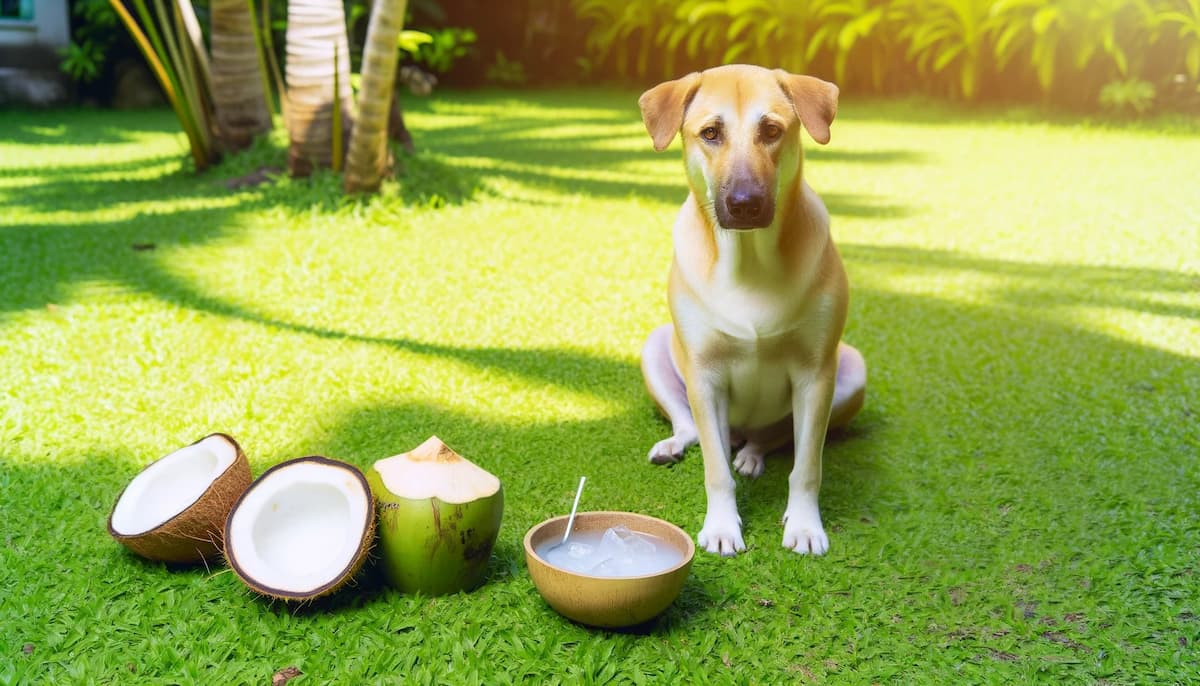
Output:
x=749 y=461
x=805 y=537
x=722 y=535
x=668 y=451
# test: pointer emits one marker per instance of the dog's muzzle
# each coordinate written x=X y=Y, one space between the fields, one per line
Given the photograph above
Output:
x=745 y=207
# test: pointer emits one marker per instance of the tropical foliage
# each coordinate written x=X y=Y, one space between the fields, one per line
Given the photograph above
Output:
x=1065 y=49
x=92 y=36
x=179 y=62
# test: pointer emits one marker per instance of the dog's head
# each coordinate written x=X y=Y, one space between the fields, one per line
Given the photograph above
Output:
x=741 y=134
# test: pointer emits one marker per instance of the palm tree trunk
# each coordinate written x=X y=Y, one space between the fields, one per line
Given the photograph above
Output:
x=369 y=157
x=316 y=32
x=237 y=77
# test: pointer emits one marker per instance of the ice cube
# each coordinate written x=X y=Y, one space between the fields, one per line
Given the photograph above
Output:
x=607 y=567
x=638 y=544
x=577 y=550
x=620 y=543
x=623 y=553
x=618 y=552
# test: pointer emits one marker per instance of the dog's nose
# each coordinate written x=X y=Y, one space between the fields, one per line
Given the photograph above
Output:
x=745 y=205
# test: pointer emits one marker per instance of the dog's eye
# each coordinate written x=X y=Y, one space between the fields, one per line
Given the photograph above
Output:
x=771 y=132
x=710 y=133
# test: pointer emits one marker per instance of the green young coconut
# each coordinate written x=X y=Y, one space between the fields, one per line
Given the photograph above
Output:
x=439 y=516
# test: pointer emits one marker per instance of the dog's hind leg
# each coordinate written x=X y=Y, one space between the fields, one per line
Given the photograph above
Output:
x=667 y=389
x=850 y=387
x=750 y=459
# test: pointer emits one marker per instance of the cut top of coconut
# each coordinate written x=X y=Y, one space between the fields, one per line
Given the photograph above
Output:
x=434 y=470
x=300 y=528
x=171 y=485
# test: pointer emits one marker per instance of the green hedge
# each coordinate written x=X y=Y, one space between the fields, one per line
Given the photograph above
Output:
x=1120 y=53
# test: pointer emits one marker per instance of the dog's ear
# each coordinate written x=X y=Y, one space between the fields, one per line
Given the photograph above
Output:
x=814 y=100
x=663 y=106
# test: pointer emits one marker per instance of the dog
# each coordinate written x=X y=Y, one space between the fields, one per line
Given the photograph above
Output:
x=757 y=292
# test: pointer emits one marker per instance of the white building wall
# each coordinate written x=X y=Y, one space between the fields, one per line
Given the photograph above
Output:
x=50 y=26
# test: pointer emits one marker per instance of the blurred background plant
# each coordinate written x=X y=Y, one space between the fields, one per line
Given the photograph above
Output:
x=1088 y=42
x=439 y=49
x=1131 y=96
x=505 y=72
x=1057 y=51
x=1175 y=32
x=92 y=38
x=947 y=38
x=866 y=29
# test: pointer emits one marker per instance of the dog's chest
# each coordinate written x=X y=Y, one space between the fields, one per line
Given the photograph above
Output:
x=760 y=390
x=758 y=340
x=748 y=315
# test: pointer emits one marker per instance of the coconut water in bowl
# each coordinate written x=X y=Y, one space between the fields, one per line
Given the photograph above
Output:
x=615 y=552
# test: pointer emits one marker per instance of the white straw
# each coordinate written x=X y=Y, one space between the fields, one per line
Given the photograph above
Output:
x=574 y=507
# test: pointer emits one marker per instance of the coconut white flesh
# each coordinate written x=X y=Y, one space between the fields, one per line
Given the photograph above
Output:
x=171 y=485
x=300 y=527
x=433 y=470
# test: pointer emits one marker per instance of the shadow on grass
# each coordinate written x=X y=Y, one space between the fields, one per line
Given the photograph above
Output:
x=1047 y=284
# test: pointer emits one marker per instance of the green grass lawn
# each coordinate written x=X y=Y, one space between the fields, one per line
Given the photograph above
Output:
x=1017 y=501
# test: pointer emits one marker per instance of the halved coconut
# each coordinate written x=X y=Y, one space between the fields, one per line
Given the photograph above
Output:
x=302 y=530
x=439 y=516
x=175 y=509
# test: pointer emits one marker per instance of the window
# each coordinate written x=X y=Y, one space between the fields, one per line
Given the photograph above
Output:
x=16 y=9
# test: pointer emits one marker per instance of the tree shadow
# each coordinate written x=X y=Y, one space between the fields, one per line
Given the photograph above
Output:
x=1049 y=284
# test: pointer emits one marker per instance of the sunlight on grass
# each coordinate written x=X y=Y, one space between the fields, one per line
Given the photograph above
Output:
x=1178 y=333
x=46 y=131
x=131 y=146
x=119 y=211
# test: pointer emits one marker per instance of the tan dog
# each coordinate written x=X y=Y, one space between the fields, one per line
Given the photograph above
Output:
x=757 y=294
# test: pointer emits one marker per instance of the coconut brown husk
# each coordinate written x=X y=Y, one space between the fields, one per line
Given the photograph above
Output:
x=346 y=575
x=195 y=533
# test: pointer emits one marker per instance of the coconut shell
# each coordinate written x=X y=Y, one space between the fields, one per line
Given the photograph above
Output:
x=195 y=533
x=346 y=575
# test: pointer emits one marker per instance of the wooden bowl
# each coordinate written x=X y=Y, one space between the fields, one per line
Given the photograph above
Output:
x=608 y=602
